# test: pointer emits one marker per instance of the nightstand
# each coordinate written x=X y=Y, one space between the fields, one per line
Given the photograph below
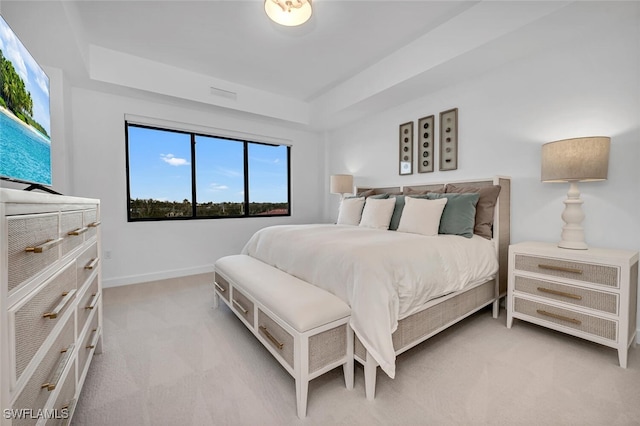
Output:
x=590 y=294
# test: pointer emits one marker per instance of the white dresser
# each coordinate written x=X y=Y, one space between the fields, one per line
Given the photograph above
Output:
x=590 y=293
x=50 y=303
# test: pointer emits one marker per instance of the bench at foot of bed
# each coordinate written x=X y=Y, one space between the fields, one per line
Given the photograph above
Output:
x=304 y=327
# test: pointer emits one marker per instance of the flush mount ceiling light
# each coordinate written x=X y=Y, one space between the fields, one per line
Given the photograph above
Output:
x=289 y=13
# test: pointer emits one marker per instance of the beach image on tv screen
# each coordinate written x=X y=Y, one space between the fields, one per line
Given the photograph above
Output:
x=25 y=122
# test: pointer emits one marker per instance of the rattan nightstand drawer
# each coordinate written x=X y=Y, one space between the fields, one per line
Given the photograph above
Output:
x=222 y=286
x=65 y=401
x=91 y=221
x=586 y=272
x=31 y=246
x=578 y=296
x=597 y=326
x=47 y=376
x=88 y=344
x=35 y=319
x=88 y=303
x=87 y=263
x=242 y=304
x=71 y=230
x=277 y=337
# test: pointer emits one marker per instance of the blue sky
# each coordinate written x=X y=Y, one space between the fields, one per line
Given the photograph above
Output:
x=35 y=80
x=160 y=168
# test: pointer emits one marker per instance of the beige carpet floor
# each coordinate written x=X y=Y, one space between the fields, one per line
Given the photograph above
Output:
x=169 y=358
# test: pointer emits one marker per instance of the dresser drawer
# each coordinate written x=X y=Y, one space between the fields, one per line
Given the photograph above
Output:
x=243 y=305
x=71 y=230
x=47 y=376
x=587 y=272
x=32 y=246
x=87 y=346
x=578 y=296
x=221 y=285
x=87 y=263
x=65 y=401
x=91 y=221
x=277 y=337
x=88 y=303
x=35 y=319
x=601 y=327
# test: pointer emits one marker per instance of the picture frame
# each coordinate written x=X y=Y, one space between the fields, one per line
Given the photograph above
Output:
x=405 y=148
x=449 y=140
x=426 y=136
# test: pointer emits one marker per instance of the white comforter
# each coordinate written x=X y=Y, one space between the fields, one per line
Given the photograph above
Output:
x=383 y=275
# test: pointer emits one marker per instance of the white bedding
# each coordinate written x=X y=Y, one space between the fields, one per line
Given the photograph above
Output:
x=383 y=275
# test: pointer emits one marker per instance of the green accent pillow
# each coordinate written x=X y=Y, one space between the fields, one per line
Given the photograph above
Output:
x=459 y=215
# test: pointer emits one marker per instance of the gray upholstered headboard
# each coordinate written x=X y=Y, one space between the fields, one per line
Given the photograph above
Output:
x=501 y=216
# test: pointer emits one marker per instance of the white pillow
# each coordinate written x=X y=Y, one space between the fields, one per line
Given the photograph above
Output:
x=350 y=211
x=377 y=212
x=421 y=216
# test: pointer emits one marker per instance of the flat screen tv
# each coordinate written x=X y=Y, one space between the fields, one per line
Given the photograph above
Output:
x=25 y=120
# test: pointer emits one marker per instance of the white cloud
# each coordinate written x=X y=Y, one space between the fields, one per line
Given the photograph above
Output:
x=173 y=160
x=215 y=187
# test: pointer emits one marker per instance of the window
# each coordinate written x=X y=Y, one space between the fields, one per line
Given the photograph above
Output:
x=175 y=174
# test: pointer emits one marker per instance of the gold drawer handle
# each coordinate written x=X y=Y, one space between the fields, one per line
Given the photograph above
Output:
x=94 y=224
x=220 y=289
x=92 y=263
x=242 y=308
x=70 y=408
x=78 y=231
x=95 y=340
x=94 y=301
x=67 y=297
x=49 y=244
x=560 y=317
x=560 y=268
x=560 y=293
x=264 y=330
x=57 y=373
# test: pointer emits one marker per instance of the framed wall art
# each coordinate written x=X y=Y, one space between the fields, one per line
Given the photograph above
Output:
x=449 y=139
x=425 y=144
x=405 y=145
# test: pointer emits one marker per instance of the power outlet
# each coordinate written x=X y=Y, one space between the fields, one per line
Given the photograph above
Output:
x=107 y=254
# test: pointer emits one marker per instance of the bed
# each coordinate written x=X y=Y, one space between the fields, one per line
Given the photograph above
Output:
x=402 y=288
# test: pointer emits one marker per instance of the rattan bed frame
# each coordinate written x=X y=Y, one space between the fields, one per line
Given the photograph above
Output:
x=438 y=314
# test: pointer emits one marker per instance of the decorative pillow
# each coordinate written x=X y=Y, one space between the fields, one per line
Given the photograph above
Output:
x=377 y=212
x=368 y=194
x=459 y=215
x=397 y=211
x=350 y=211
x=484 y=208
x=421 y=216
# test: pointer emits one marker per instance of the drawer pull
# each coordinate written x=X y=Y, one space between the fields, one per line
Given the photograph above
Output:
x=242 y=308
x=92 y=263
x=57 y=373
x=94 y=301
x=78 y=231
x=560 y=268
x=49 y=244
x=220 y=289
x=94 y=224
x=95 y=340
x=67 y=296
x=264 y=330
x=560 y=317
x=70 y=408
x=560 y=293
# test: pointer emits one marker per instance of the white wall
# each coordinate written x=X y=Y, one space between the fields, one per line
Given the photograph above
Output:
x=587 y=88
x=143 y=251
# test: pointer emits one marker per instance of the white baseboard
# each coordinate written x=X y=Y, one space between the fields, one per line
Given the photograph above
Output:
x=163 y=275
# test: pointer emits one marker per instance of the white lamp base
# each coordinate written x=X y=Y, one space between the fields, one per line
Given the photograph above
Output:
x=572 y=231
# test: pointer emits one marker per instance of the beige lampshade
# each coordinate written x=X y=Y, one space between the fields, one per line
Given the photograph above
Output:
x=289 y=13
x=341 y=184
x=578 y=159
